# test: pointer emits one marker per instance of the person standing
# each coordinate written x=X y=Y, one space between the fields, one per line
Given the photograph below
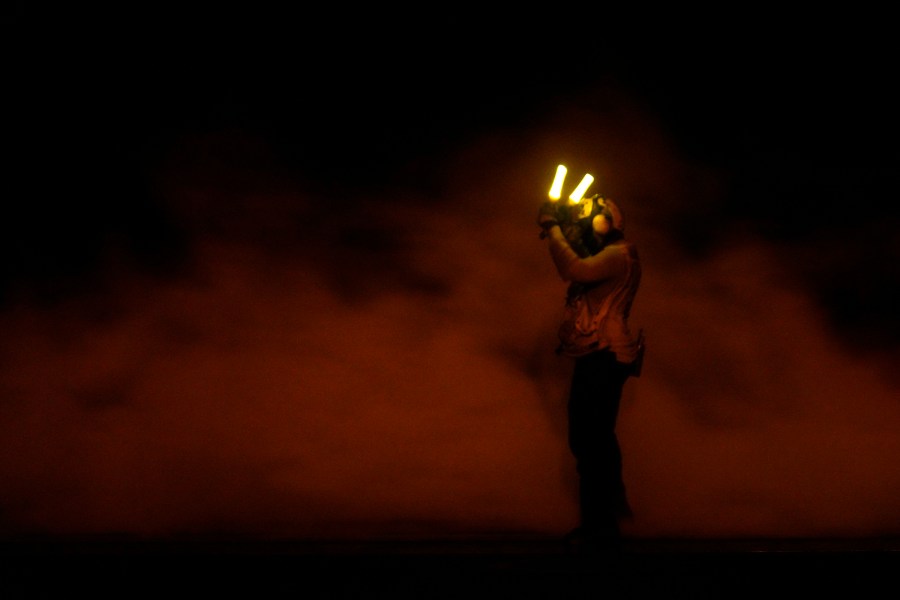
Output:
x=603 y=270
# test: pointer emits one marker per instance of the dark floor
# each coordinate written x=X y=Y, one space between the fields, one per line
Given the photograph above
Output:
x=510 y=568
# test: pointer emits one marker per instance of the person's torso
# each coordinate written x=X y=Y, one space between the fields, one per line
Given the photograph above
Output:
x=597 y=313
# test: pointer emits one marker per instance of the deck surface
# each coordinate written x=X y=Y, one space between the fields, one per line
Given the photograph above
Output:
x=497 y=568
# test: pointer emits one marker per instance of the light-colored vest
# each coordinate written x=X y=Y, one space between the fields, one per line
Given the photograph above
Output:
x=597 y=318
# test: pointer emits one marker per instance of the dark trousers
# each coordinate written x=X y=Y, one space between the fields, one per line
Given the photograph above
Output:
x=593 y=407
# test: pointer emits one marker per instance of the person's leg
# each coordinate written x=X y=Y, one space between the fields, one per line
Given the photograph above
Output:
x=593 y=410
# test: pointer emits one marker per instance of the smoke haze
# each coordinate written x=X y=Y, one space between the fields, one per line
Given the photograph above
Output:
x=382 y=364
x=277 y=284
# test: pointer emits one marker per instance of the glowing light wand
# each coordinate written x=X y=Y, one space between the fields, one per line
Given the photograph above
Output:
x=579 y=191
x=558 y=180
x=567 y=215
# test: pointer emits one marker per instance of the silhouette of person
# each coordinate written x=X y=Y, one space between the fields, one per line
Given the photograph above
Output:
x=604 y=272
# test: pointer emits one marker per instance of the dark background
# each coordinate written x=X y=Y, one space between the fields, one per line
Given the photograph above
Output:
x=797 y=112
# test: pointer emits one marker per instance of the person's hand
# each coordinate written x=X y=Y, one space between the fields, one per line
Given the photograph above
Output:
x=548 y=215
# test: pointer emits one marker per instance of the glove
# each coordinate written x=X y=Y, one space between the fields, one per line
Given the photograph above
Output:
x=548 y=215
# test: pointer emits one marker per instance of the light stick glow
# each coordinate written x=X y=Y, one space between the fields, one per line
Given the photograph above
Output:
x=578 y=194
x=556 y=188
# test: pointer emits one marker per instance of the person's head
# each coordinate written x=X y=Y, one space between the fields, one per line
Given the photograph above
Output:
x=606 y=218
x=603 y=225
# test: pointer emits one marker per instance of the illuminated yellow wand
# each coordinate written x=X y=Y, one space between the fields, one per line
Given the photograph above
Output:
x=567 y=213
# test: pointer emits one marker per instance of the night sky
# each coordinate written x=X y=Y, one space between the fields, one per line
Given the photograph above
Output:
x=279 y=274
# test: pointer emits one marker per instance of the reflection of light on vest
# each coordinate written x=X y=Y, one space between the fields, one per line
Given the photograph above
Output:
x=577 y=194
